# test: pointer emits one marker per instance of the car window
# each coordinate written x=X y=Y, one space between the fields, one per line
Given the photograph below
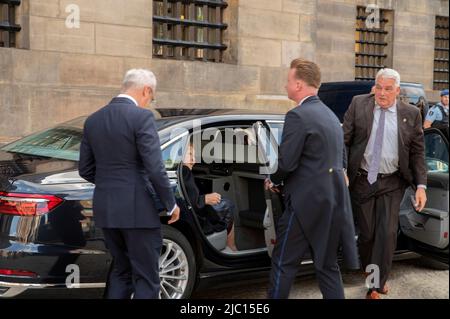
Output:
x=276 y=129
x=413 y=93
x=233 y=144
x=62 y=142
x=436 y=153
x=172 y=153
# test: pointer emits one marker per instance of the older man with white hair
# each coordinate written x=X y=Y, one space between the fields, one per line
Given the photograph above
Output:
x=386 y=154
x=121 y=154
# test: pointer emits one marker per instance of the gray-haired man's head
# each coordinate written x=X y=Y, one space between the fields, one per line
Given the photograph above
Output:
x=387 y=87
x=140 y=84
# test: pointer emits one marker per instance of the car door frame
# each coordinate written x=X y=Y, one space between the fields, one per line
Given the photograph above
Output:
x=274 y=202
x=439 y=254
x=233 y=261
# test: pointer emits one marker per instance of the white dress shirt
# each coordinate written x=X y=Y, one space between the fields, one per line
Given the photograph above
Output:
x=126 y=96
x=389 y=151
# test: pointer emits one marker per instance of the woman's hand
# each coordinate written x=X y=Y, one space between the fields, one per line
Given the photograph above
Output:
x=212 y=199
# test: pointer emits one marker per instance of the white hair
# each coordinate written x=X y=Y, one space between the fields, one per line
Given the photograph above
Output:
x=389 y=74
x=138 y=78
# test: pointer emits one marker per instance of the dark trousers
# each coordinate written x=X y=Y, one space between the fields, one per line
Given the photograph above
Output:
x=376 y=208
x=135 y=267
x=290 y=248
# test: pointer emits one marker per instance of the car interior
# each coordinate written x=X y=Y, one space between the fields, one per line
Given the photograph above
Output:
x=230 y=166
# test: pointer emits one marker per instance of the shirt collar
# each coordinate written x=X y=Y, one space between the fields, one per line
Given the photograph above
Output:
x=126 y=96
x=392 y=109
x=304 y=99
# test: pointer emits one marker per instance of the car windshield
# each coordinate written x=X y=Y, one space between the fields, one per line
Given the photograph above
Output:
x=63 y=141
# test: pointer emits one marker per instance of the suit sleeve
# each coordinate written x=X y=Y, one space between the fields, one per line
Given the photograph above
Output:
x=349 y=126
x=149 y=148
x=291 y=148
x=86 y=165
x=417 y=153
x=344 y=158
x=349 y=130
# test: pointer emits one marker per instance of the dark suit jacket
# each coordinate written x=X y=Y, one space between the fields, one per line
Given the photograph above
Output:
x=310 y=165
x=121 y=154
x=358 y=121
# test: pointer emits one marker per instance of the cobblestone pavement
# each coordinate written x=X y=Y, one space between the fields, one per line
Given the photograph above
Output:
x=410 y=279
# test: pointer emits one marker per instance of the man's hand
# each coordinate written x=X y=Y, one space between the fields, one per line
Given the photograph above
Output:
x=268 y=185
x=421 y=199
x=347 y=182
x=175 y=215
x=213 y=199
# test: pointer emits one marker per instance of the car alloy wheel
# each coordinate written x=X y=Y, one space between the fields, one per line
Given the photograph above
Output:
x=173 y=270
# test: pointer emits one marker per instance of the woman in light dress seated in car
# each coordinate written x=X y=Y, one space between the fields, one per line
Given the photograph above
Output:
x=214 y=212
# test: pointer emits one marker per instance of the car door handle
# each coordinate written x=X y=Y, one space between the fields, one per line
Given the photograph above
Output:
x=433 y=213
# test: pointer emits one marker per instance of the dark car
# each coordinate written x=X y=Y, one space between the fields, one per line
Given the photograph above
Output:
x=339 y=95
x=48 y=235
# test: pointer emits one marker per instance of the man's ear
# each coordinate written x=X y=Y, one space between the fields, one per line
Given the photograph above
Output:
x=299 y=85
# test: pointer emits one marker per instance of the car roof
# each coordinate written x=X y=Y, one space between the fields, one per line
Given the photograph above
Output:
x=166 y=117
x=192 y=112
x=360 y=84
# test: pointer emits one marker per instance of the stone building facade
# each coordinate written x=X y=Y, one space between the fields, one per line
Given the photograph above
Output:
x=55 y=73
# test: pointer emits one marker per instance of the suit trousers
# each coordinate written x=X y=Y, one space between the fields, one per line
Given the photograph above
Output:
x=135 y=269
x=290 y=248
x=376 y=208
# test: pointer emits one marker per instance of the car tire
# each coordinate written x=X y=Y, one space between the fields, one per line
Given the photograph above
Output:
x=178 y=269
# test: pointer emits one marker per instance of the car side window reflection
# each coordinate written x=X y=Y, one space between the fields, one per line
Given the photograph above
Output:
x=276 y=129
x=436 y=153
x=173 y=153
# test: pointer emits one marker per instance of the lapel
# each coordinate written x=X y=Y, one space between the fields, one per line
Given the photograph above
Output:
x=369 y=115
x=402 y=122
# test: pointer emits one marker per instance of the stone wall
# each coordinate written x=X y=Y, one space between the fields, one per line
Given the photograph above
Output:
x=59 y=73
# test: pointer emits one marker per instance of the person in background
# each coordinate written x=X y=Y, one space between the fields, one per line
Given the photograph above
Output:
x=121 y=154
x=386 y=154
x=318 y=219
x=437 y=116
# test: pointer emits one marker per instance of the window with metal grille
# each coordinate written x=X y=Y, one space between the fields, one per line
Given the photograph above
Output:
x=8 y=26
x=189 y=29
x=373 y=43
x=441 y=47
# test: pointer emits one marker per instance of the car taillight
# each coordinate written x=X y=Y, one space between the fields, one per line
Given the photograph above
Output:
x=27 y=204
x=17 y=273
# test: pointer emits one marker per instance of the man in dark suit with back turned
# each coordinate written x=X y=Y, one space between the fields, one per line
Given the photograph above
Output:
x=121 y=154
x=318 y=216
x=386 y=153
